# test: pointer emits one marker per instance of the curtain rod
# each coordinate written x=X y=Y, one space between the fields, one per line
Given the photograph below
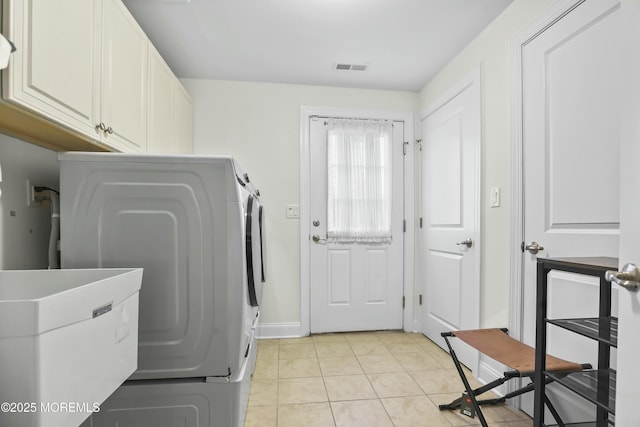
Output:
x=356 y=118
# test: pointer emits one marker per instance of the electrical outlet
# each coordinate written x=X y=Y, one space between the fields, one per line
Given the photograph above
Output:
x=33 y=200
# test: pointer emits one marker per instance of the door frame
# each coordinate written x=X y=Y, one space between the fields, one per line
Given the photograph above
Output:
x=516 y=230
x=470 y=81
x=306 y=112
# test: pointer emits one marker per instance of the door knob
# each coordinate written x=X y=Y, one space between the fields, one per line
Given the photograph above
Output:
x=467 y=242
x=318 y=239
x=532 y=247
x=316 y=223
x=628 y=278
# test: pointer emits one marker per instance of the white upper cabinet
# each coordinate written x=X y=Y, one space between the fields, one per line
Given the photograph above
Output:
x=161 y=119
x=184 y=116
x=56 y=66
x=170 y=123
x=124 y=79
x=82 y=64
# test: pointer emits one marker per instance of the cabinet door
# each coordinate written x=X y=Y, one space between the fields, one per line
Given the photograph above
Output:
x=56 y=68
x=124 y=79
x=184 y=119
x=161 y=130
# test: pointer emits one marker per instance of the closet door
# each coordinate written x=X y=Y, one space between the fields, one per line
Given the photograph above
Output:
x=571 y=107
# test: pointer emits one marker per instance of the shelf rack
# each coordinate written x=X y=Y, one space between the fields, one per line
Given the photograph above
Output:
x=597 y=386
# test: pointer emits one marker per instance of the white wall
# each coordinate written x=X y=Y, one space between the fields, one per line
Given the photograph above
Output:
x=492 y=49
x=259 y=124
x=24 y=231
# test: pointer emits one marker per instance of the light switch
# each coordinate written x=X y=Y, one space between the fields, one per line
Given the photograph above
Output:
x=293 y=211
x=495 y=197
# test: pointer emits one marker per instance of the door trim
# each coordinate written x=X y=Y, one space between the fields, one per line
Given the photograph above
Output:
x=410 y=322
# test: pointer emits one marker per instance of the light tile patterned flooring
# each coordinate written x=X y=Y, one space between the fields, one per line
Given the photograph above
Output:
x=366 y=379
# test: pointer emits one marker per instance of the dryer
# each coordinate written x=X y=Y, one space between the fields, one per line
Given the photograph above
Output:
x=194 y=224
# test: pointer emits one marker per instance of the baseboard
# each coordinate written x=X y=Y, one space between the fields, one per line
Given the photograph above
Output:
x=488 y=372
x=279 y=330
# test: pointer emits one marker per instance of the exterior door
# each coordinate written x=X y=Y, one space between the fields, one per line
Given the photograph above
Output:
x=353 y=286
x=571 y=106
x=629 y=302
x=449 y=247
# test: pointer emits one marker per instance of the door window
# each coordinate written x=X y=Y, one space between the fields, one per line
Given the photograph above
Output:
x=359 y=172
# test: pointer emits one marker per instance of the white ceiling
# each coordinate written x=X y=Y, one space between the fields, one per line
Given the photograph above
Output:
x=403 y=42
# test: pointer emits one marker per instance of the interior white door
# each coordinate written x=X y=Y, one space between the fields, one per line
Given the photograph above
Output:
x=449 y=246
x=571 y=104
x=629 y=302
x=353 y=286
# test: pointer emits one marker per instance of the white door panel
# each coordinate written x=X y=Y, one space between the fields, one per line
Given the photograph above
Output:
x=450 y=177
x=629 y=310
x=571 y=99
x=353 y=287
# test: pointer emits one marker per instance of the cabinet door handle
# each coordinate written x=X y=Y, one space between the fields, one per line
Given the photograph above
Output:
x=628 y=278
x=108 y=130
x=101 y=127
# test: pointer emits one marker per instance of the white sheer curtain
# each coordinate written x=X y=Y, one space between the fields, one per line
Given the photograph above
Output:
x=359 y=181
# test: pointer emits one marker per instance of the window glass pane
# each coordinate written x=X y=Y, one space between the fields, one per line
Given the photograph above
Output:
x=359 y=181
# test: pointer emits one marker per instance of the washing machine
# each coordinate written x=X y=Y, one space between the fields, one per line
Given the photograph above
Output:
x=195 y=224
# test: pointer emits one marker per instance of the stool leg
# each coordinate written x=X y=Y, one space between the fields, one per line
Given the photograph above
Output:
x=467 y=386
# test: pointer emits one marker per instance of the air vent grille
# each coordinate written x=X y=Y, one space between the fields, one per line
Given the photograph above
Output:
x=351 y=67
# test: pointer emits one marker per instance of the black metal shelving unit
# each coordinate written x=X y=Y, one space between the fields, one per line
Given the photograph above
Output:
x=598 y=385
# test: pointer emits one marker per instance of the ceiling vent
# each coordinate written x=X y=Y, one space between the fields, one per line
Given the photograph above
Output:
x=351 y=67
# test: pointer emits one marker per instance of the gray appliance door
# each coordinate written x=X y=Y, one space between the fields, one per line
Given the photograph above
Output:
x=254 y=250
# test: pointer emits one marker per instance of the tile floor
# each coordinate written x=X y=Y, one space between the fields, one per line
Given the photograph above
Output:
x=366 y=379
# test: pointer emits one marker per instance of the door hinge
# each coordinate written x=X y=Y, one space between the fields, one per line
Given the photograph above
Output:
x=404 y=225
x=403 y=301
x=420 y=299
x=419 y=142
x=420 y=222
x=404 y=148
